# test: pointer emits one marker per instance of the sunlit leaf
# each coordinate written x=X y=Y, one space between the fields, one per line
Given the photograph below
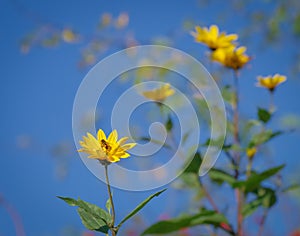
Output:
x=92 y=216
x=263 y=137
x=168 y=226
x=291 y=188
x=108 y=205
x=220 y=176
x=91 y=222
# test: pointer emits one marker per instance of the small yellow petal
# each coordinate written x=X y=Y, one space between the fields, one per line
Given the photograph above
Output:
x=101 y=135
x=112 y=138
x=214 y=31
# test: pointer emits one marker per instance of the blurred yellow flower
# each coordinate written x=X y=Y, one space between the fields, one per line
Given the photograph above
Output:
x=122 y=20
x=270 y=82
x=106 y=150
x=250 y=152
x=69 y=36
x=212 y=38
x=106 y=19
x=159 y=94
x=231 y=57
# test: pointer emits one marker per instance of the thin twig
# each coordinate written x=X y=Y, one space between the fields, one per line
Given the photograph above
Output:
x=208 y=196
x=14 y=215
x=262 y=222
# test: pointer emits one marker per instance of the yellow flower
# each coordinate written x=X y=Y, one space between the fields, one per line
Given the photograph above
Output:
x=212 y=38
x=231 y=57
x=270 y=82
x=106 y=150
x=159 y=94
x=69 y=36
x=250 y=152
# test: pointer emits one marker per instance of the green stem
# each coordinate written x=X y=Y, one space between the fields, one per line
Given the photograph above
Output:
x=113 y=214
x=249 y=167
x=272 y=106
x=239 y=193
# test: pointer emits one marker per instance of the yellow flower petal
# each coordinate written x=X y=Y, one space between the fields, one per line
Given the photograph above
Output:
x=214 y=31
x=101 y=135
x=128 y=146
x=112 y=138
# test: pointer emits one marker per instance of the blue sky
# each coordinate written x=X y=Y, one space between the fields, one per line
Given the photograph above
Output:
x=37 y=92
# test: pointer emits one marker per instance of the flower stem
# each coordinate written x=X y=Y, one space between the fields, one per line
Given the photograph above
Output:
x=272 y=106
x=113 y=214
x=249 y=167
x=239 y=193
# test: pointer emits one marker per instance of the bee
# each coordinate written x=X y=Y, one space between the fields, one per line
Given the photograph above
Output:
x=105 y=145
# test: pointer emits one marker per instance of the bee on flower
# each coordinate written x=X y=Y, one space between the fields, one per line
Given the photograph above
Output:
x=270 y=82
x=106 y=149
x=212 y=38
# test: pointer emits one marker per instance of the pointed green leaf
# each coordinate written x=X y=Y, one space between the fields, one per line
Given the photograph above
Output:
x=255 y=180
x=263 y=137
x=168 y=226
x=290 y=188
x=108 y=205
x=139 y=207
x=91 y=222
x=70 y=201
x=220 y=176
x=90 y=213
x=95 y=211
x=194 y=165
x=263 y=115
x=169 y=124
x=266 y=197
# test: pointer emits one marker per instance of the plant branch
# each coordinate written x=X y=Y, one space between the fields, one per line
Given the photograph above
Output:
x=239 y=193
x=262 y=222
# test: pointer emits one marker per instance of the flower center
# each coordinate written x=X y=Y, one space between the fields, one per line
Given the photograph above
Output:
x=105 y=146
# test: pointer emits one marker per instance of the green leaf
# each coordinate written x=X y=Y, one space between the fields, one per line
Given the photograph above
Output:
x=70 y=201
x=194 y=165
x=139 y=207
x=168 y=226
x=266 y=197
x=91 y=222
x=263 y=137
x=92 y=216
x=290 y=188
x=108 y=205
x=220 y=176
x=95 y=211
x=296 y=25
x=255 y=180
x=263 y=115
x=169 y=124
